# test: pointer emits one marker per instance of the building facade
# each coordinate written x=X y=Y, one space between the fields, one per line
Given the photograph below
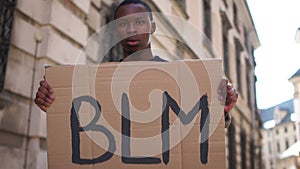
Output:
x=281 y=131
x=53 y=32
x=295 y=80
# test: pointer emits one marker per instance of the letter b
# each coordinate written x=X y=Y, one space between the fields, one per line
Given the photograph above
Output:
x=92 y=126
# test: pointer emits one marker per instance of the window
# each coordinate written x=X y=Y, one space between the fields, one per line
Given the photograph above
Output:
x=226 y=54
x=285 y=129
x=252 y=154
x=231 y=146
x=245 y=38
x=115 y=53
x=179 y=49
x=238 y=71
x=225 y=3
x=278 y=147
x=225 y=27
x=207 y=18
x=271 y=163
x=270 y=147
x=243 y=149
x=252 y=52
x=249 y=85
x=238 y=50
x=277 y=132
x=7 y=8
x=269 y=133
x=235 y=17
x=287 y=144
x=181 y=4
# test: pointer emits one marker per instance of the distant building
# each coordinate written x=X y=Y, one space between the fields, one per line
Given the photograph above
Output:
x=295 y=79
x=38 y=32
x=280 y=130
x=297 y=36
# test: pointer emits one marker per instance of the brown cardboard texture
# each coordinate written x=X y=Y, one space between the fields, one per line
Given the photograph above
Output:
x=136 y=115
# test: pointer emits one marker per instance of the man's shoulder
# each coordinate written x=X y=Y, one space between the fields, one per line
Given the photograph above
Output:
x=158 y=59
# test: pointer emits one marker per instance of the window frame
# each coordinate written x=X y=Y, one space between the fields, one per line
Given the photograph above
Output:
x=7 y=8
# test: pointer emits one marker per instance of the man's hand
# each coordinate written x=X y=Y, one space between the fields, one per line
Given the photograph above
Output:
x=44 y=95
x=231 y=97
x=228 y=97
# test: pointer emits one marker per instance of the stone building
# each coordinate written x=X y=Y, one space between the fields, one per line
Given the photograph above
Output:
x=35 y=33
x=281 y=131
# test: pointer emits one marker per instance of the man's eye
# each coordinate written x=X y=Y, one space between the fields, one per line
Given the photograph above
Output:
x=140 y=22
x=122 y=24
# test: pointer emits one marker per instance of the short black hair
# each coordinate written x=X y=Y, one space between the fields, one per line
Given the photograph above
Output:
x=126 y=2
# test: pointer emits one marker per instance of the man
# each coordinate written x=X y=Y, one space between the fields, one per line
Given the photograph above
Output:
x=135 y=32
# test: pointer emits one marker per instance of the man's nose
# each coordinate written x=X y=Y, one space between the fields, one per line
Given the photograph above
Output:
x=131 y=28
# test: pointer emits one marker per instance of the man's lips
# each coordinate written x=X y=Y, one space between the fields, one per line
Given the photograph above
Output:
x=132 y=42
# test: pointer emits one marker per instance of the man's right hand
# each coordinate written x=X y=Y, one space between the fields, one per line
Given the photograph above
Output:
x=44 y=96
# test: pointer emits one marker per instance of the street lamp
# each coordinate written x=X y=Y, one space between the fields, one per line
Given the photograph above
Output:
x=297 y=37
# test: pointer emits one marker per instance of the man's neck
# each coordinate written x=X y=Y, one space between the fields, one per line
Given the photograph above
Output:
x=142 y=55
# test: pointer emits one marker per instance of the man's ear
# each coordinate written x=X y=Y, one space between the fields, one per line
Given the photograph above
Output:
x=153 y=27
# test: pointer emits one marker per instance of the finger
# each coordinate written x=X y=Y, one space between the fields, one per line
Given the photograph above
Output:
x=46 y=85
x=231 y=99
x=229 y=86
x=230 y=104
x=46 y=92
x=43 y=90
x=44 y=97
x=232 y=96
x=231 y=92
x=41 y=102
x=40 y=95
x=40 y=105
x=44 y=108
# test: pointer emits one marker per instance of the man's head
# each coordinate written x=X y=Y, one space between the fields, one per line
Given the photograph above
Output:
x=134 y=25
x=138 y=2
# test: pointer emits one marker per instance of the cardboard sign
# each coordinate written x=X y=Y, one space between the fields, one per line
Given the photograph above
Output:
x=136 y=115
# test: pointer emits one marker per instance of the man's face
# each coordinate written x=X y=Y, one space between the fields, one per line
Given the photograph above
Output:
x=134 y=27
